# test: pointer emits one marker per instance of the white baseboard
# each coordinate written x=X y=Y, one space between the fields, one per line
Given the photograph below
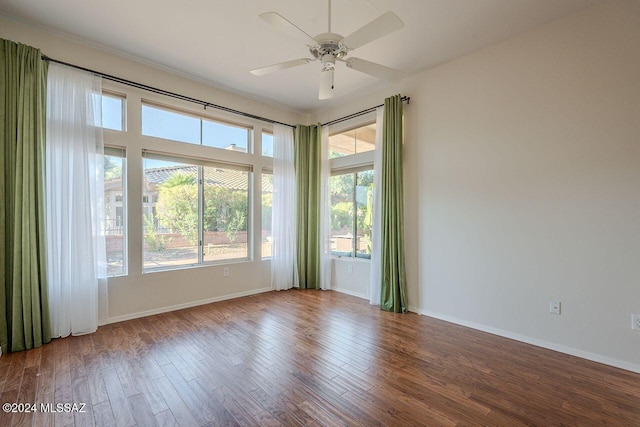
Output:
x=350 y=292
x=537 y=342
x=180 y=306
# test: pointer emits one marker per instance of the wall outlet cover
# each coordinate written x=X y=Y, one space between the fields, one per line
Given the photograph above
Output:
x=554 y=307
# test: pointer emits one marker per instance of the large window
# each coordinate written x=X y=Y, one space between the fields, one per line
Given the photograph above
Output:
x=115 y=210
x=352 y=214
x=351 y=185
x=193 y=212
x=177 y=126
x=197 y=185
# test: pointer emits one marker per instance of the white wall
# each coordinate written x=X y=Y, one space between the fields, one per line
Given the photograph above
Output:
x=351 y=276
x=138 y=293
x=523 y=185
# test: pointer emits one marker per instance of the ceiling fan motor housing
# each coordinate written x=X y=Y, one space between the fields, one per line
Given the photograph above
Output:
x=328 y=43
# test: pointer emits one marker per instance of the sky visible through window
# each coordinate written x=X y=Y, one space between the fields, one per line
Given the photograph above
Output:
x=219 y=135
x=112 y=112
x=267 y=144
x=169 y=125
x=181 y=127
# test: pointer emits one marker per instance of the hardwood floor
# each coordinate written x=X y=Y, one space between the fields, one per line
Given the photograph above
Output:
x=309 y=358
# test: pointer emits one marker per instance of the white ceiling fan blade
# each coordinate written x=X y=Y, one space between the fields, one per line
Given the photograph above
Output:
x=381 y=26
x=326 y=84
x=377 y=70
x=288 y=27
x=281 y=66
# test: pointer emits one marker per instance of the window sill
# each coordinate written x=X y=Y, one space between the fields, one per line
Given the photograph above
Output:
x=195 y=266
x=350 y=259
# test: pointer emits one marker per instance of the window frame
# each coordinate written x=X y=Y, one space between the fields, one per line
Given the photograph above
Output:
x=351 y=125
x=121 y=152
x=202 y=118
x=201 y=163
x=354 y=201
x=270 y=133
x=132 y=139
x=123 y=111
x=353 y=164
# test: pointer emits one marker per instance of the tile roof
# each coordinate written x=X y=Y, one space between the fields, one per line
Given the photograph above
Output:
x=226 y=178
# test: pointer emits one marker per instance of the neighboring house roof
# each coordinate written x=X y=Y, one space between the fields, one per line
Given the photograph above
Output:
x=113 y=184
x=226 y=178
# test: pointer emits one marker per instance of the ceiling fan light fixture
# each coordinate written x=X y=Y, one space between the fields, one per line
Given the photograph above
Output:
x=328 y=62
x=326 y=83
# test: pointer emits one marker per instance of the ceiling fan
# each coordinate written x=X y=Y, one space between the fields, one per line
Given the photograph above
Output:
x=331 y=47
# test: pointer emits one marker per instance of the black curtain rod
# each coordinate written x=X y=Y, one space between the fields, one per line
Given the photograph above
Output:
x=206 y=104
x=361 y=113
x=166 y=92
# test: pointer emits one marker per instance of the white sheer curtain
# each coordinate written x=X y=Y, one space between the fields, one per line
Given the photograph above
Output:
x=284 y=271
x=76 y=261
x=325 y=213
x=375 y=286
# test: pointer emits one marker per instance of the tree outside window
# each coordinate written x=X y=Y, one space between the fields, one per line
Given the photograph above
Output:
x=194 y=214
x=352 y=214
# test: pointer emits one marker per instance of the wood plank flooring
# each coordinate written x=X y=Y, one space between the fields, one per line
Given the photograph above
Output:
x=314 y=358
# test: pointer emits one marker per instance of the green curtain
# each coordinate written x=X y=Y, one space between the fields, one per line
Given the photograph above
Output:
x=394 y=283
x=24 y=310
x=308 y=157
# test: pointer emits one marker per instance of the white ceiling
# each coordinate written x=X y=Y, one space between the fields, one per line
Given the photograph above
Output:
x=219 y=41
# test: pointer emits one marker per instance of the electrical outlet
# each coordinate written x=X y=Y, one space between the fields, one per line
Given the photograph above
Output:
x=554 y=307
x=350 y=268
x=225 y=272
x=635 y=322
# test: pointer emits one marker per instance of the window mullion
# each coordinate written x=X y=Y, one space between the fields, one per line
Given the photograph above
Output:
x=201 y=132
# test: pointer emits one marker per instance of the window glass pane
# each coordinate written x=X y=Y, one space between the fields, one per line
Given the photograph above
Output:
x=169 y=125
x=267 y=206
x=112 y=112
x=220 y=135
x=353 y=141
x=342 y=214
x=364 y=206
x=267 y=144
x=170 y=214
x=114 y=203
x=226 y=214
